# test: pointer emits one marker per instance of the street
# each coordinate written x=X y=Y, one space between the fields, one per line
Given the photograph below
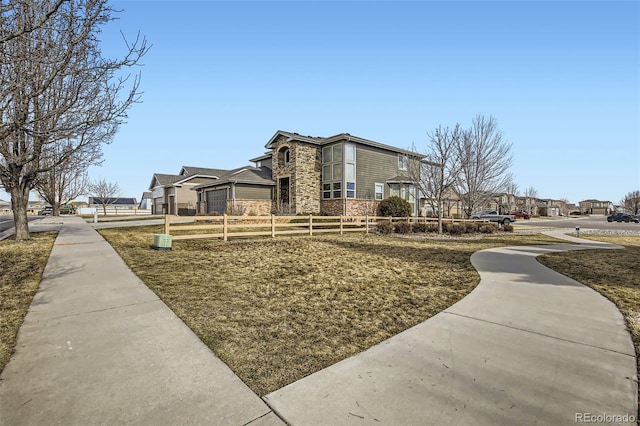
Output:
x=593 y=222
x=6 y=221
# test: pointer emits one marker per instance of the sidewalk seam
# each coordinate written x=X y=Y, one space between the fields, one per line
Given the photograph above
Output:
x=539 y=334
x=103 y=310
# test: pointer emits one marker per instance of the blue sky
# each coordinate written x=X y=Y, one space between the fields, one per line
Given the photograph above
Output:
x=561 y=78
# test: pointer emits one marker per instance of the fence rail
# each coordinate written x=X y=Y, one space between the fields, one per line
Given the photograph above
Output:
x=225 y=227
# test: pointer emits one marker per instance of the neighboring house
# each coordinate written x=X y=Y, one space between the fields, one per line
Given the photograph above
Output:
x=528 y=204
x=452 y=206
x=118 y=203
x=5 y=207
x=247 y=190
x=172 y=194
x=146 y=201
x=596 y=207
x=337 y=175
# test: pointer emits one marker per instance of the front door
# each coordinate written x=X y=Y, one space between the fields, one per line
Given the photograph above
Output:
x=284 y=201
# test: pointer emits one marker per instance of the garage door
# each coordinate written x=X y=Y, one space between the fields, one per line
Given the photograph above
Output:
x=217 y=201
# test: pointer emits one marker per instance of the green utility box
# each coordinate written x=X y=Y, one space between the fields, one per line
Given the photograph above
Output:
x=162 y=241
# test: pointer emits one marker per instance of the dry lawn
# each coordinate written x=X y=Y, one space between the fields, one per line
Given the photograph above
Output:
x=21 y=269
x=613 y=273
x=276 y=310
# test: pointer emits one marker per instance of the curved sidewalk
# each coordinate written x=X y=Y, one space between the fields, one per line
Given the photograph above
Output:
x=98 y=347
x=527 y=346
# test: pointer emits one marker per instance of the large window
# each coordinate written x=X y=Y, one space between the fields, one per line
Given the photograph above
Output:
x=339 y=171
x=405 y=191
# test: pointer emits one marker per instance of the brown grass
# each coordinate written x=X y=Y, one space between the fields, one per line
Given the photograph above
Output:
x=613 y=273
x=20 y=275
x=276 y=310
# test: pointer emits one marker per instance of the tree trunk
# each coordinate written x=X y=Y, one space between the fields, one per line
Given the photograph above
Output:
x=440 y=216
x=19 y=204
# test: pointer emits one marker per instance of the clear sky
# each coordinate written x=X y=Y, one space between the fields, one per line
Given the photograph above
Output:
x=562 y=80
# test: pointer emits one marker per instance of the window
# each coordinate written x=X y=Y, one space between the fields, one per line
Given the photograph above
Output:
x=403 y=161
x=351 y=190
x=379 y=191
x=287 y=156
x=339 y=171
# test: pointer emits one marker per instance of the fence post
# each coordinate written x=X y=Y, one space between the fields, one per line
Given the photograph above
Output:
x=224 y=227
x=166 y=224
x=310 y=224
x=273 y=226
x=366 y=224
x=341 y=224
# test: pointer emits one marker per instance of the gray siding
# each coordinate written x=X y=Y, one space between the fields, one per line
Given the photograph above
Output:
x=374 y=166
x=253 y=192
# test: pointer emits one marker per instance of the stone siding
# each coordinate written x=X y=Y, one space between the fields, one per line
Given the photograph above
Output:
x=304 y=172
x=253 y=207
x=354 y=207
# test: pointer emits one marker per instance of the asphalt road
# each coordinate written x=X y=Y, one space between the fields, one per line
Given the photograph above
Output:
x=593 y=222
x=6 y=221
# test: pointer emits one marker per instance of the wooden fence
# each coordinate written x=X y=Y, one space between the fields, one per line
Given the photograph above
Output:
x=193 y=227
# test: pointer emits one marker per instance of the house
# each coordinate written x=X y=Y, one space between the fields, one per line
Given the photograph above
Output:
x=172 y=194
x=118 y=203
x=5 y=207
x=247 y=190
x=595 y=207
x=336 y=175
x=451 y=205
x=146 y=201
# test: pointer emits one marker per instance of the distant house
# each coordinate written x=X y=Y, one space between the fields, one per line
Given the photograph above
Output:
x=336 y=175
x=119 y=203
x=146 y=201
x=596 y=207
x=5 y=207
x=172 y=194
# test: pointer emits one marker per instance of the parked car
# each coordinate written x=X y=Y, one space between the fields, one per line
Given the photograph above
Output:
x=521 y=214
x=47 y=211
x=623 y=217
x=494 y=216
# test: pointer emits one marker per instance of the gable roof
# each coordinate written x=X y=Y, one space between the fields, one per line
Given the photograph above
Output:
x=317 y=140
x=249 y=175
x=113 y=200
x=201 y=171
x=163 y=180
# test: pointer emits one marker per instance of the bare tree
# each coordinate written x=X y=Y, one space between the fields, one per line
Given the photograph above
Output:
x=8 y=33
x=511 y=189
x=106 y=193
x=485 y=161
x=632 y=201
x=530 y=195
x=436 y=172
x=56 y=90
x=63 y=182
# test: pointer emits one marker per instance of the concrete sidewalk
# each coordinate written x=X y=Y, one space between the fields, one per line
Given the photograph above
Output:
x=527 y=346
x=98 y=347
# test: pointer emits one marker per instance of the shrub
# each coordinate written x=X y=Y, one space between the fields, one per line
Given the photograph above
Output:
x=471 y=227
x=507 y=228
x=395 y=206
x=384 y=228
x=420 y=227
x=402 y=228
x=488 y=228
x=456 y=228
